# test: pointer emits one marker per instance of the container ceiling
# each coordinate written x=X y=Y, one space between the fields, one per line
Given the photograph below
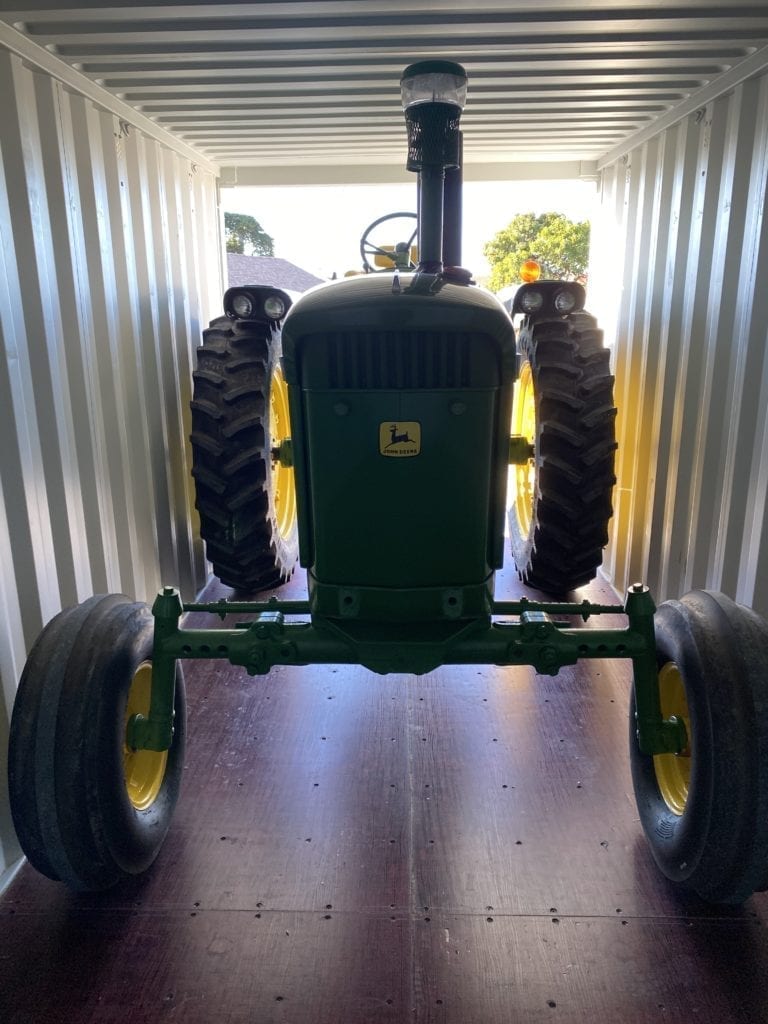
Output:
x=317 y=83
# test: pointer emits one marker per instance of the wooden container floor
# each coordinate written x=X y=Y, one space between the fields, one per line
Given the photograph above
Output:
x=456 y=848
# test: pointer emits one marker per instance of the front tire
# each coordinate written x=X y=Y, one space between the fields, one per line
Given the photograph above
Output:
x=88 y=810
x=705 y=811
x=246 y=499
x=561 y=498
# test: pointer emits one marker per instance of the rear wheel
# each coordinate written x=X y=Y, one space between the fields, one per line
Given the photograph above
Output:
x=88 y=810
x=705 y=811
x=560 y=499
x=246 y=499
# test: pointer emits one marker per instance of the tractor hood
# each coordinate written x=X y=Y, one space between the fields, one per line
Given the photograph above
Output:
x=399 y=302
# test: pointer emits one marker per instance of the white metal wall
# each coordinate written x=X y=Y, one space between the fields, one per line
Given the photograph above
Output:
x=684 y=246
x=109 y=261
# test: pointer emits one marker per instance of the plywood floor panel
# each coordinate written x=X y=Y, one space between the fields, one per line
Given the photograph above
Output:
x=459 y=847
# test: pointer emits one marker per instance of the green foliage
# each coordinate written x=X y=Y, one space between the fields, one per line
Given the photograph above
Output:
x=241 y=230
x=560 y=245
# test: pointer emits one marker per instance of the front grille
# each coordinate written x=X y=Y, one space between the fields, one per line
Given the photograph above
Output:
x=398 y=360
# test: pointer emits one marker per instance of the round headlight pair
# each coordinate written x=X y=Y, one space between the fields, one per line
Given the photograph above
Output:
x=548 y=298
x=243 y=306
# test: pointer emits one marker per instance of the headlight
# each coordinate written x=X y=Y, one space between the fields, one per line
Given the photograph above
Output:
x=532 y=301
x=257 y=303
x=274 y=307
x=549 y=299
x=565 y=301
x=242 y=305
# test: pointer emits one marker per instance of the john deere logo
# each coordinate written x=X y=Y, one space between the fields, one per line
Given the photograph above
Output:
x=400 y=439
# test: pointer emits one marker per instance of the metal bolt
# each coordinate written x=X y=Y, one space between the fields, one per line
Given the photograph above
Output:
x=548 y=656
x=169 y=591
x=638 y=588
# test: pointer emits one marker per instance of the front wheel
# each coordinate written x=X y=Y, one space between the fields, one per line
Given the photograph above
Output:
x=560 y=499
x=705 y=811
x=88 y=809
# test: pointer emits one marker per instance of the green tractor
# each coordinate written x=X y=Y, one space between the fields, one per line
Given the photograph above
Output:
x=365 y=430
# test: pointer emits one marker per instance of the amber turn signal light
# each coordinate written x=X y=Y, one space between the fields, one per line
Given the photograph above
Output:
x=530 y=271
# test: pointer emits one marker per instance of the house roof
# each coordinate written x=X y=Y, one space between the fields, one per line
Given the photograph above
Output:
x=242 y=270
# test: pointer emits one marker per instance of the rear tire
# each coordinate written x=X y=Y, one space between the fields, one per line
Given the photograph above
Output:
x=78 y=812
x=246 y=501
x=561 y=499
x=707 y=820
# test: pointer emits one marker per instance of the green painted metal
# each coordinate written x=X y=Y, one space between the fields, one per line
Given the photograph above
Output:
x=405 y=605
x=156 y=731
x=283 y=453
x=223 y=607
x=655 y=734
x=418 y=646
x=400 y=391
x=520 y=450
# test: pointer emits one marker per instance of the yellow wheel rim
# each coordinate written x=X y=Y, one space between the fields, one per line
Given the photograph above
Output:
x=144 y=770
x=283 y=483
x=673 y=771
x=524 y=423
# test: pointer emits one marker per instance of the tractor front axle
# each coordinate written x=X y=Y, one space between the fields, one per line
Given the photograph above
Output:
x=534 y=638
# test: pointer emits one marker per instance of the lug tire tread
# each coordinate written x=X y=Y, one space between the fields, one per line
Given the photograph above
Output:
x=575 y=446
x=231 y=459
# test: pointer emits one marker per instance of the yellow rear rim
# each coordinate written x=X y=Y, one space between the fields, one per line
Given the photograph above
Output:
x=144 y=770
x=283 y=483
x=524 y=423
x=673 y=771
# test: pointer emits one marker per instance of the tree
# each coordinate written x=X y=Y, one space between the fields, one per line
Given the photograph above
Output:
x=241 y=230
x=560 y=245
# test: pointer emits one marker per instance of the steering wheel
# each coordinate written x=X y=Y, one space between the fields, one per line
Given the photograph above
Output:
x=400 y=256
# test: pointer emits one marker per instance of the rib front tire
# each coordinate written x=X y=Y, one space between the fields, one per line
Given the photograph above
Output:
x=88 y=810
x=705 y=811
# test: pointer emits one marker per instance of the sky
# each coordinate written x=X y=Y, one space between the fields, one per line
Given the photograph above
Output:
x=319 y=227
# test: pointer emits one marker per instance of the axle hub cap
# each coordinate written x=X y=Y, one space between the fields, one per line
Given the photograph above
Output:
x=144 y=770
x=673 y=771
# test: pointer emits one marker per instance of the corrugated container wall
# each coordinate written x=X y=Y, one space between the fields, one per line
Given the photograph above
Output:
x=686 y=210
x=109 y=260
